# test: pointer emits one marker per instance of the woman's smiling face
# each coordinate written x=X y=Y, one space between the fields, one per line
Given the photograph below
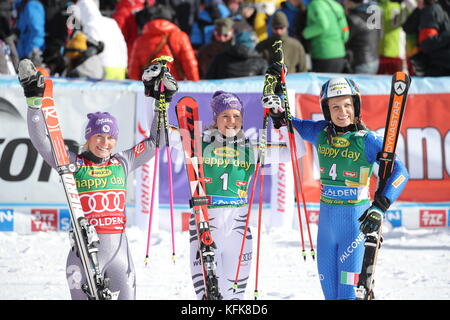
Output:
x=342 y=111
x=101 y=145
x=229 y=122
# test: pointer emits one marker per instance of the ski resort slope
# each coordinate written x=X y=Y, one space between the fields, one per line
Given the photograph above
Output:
x=412 y=265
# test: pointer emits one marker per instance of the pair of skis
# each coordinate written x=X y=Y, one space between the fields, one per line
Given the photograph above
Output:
x=190 y=130
x=397 y=104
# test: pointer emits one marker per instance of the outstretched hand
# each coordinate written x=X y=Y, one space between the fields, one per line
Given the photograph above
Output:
x=31 y=80
x=152 y=77
x=276 y=106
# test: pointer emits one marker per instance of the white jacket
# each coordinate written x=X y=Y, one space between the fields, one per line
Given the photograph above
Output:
x=103 y=29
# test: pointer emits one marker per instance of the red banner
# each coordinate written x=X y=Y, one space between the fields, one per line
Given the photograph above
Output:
x=424 y=145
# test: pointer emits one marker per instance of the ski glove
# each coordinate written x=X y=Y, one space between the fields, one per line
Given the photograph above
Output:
x=31 y=80
x=152 y=80
x=277 y=111
x=371 y=220
x=275 y=69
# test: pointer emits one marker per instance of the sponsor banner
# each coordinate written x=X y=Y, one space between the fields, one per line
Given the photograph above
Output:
x=64 y=220
x=44 y=220
x=424 y=143
x=144 y=174
x=394 y=217
x=432 y=218
x=343 y=192
x=6 y=220
x=313 y=216
x=410 y=215
x=22 y=169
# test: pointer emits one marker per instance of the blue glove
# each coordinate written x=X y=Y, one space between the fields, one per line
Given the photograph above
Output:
x=371 y=220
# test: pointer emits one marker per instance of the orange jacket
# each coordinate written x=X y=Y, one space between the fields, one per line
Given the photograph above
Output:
x=150 y=45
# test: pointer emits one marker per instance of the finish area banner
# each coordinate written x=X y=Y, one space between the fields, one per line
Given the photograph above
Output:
x=424 y=144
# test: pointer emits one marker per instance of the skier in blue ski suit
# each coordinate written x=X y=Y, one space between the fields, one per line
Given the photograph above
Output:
x=347 y=151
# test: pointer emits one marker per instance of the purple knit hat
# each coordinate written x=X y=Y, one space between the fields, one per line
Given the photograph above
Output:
x=222 y=101
x=101 y=122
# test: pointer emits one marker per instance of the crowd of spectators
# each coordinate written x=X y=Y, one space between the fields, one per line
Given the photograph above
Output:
x=218 y=39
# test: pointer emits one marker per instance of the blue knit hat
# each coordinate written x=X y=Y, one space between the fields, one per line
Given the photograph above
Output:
x=222 y=101
x=101 y=122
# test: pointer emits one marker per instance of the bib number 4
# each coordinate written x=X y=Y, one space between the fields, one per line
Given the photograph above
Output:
x=333 y=172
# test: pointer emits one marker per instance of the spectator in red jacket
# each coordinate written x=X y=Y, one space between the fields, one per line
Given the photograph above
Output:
x=124 y=16
x=161 y=37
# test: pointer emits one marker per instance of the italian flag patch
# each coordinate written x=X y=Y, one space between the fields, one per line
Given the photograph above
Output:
x=349 y=278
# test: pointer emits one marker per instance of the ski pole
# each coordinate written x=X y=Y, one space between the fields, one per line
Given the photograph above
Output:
x=164 y=60
x=259 y=162
x=162 y=121
x=261 y=188
x=152 y=199
x=270 y=83
x=295 y=164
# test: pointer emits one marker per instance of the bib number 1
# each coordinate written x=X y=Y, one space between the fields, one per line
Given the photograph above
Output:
x=224 y=178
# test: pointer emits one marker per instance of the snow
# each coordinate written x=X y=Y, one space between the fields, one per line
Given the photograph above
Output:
x=412 y=264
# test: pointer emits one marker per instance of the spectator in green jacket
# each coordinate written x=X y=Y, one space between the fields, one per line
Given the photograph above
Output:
x=294 y=53
x=327 y=30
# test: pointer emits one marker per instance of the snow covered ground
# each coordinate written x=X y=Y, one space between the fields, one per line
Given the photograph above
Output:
x=413 y=264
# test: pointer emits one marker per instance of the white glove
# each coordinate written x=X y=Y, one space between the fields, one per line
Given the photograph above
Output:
x=152 y=73
x=151 y=80
x=273 y=102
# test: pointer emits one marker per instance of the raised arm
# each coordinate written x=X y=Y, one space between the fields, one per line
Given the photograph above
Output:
x=33 y=84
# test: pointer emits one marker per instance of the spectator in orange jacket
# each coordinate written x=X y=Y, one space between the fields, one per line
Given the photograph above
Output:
x=161 y=37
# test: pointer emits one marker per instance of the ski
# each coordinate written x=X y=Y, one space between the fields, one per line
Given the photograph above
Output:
x=190 y=130
x=83 y=233
x=397 y=103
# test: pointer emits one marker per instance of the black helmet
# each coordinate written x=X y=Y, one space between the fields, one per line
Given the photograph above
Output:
x=338 y=87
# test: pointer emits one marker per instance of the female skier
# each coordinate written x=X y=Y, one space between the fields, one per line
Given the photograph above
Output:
x=229 y=163
x=101 y=178
x=347 y=151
